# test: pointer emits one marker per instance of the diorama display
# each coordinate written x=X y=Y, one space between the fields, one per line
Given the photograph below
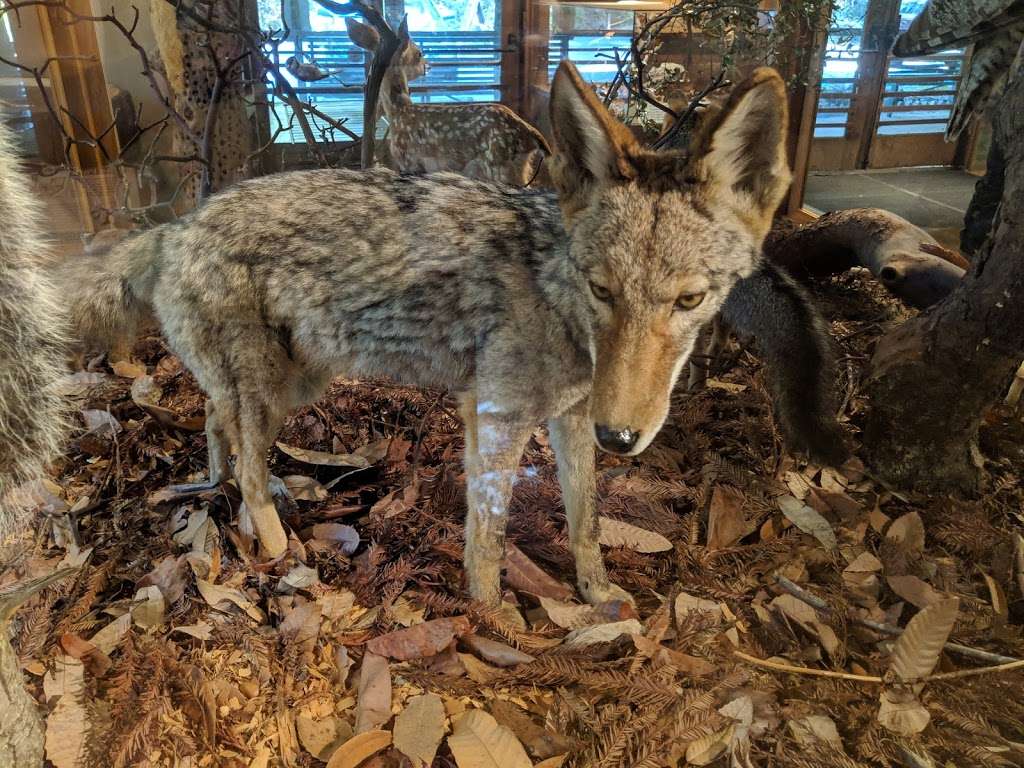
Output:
x=481 y=383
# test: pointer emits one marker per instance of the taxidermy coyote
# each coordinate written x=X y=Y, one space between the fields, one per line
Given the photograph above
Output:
x=32 y=341
x=577 y=308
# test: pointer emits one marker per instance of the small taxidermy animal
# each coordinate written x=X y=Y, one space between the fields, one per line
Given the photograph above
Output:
x=578 y=308
x=307 y=71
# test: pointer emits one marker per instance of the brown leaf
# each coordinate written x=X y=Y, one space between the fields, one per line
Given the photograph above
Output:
x=524 y=575
x=616 y=533
x=322 y=459
x=686 y=603
x=128 y=369
x=345 y=537
x=321 y=738
x=908 y=531
x=304 y=488
x=170 y=575
x=902 y=713
x=67 y=723
x=603 y=633
x=146 y=394
x=913 y=590
x=496 y=653
x=359 y=748
x=917 y=650
x=539 y=741
x=420 y=640
x=479 y=742
x=374 y=698
x=95 y=660
x=726 y=522
x=419 y=729
x=661 y=656
x=807 y=520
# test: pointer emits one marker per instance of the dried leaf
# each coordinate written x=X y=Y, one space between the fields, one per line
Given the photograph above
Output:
x=902 y=713
x=170 y=574
x=807 y=520
x=323 y=459
x=726 y=522
x=303 y=488
x=603 y=633
x=146 y=394
x=321 y=738
x=686 y=603
x=616 y=533
x=998 y=597
x=200 y=631
x=816 y=728
x=107 y=638
x=684 y=662
x=67 y=723
x=709 y=748
x=727 y=386
x=299 y=577
x=345 y=537
x=420 y=640
x=479 y=742
x=552 y=762
x=217 y=595
x=917 y=650
x=523 y=574
x=359 y=748
x=908 y=531
x=129 y=369
x=374 y=707
x=496 y=653
x=914 y=590
x=150 y=609
x=419 y=729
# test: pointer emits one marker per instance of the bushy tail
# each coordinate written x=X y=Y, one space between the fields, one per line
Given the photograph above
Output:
x=109 y=290
x=33 y=344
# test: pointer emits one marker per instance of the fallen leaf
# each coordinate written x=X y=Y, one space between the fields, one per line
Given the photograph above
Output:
x=908 y=531
x=322 y=737
x=684 y=662
x=524 y=575
x=479 y=742
x=616 y=533
x=345 y=537
x=299 y=577
x=96 y=661
x=540 y=742
x=374 y=707
x=303 y=488
x=129 y=369
x=200 y=631
x=571 y=615
x=67 y=723
x=217 y=595
x=419 y=729
x=807 y=520
x=603 y=633
x=150 y=609
x=170 y=576
x=727 y=386
x=686 y=603
x=107 y=638
x=726 y=522
x=998 y=598
x=861 y=578
x=496 y=653
x=420 y=640
x=900 y=711
x=323 y=459
x=359 y=748
x=146 y=394
x=816 y=728
x=101 y=422
x=914 y=590
x=374 y=451
x=301 y=627
x=709 y=748
x=552 y=762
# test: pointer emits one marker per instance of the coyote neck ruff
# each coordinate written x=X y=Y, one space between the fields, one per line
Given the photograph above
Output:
x=577 y=309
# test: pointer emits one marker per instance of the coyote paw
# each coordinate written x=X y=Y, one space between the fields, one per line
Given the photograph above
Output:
x=595 y=593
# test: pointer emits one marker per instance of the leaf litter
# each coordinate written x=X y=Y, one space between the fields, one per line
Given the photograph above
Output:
x=174 y=647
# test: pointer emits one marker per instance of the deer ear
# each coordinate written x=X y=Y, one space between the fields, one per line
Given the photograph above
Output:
x=363 y=35
x=403 y=28
x=740 y=153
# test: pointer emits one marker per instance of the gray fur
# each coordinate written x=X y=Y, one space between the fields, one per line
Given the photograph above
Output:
x=481 y=289
x=32 y=342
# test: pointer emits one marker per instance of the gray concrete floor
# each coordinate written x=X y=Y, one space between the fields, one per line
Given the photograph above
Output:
x=933 y=198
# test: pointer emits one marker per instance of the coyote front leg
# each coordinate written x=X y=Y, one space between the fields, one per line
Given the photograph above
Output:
x=494 y=447
x=574 y=450
x=218 y=449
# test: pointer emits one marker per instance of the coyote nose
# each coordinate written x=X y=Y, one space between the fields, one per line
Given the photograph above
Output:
x=616 y=440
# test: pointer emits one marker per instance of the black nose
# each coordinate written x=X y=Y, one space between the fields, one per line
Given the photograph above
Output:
x=616 y=440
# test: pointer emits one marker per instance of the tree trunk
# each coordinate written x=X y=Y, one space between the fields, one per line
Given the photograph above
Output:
x=933 y=377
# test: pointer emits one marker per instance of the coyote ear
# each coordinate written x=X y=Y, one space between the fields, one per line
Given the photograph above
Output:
x=363 y=35
x=741 y=151
x=403 y=28
x=591 y=146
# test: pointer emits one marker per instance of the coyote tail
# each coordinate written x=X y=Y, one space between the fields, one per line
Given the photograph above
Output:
x=33 y=343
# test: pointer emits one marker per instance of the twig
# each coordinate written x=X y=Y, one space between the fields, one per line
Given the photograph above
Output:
x=806 y=670
x=888 y=629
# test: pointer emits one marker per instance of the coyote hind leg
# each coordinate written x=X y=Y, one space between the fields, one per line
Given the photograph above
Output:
x=256 y=427
x=217 y=448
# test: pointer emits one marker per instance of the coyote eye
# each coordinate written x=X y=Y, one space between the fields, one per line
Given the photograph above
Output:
x=689 y=301
x=600 y=292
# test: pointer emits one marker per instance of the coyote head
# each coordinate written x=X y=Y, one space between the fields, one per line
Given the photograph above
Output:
x=659 y=239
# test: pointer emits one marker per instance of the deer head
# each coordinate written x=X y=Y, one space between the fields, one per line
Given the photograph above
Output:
x=406 y=57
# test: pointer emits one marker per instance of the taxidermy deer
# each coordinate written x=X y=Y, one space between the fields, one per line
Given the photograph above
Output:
x=483 y=141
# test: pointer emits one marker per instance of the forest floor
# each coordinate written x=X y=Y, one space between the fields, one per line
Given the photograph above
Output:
x=172 y=646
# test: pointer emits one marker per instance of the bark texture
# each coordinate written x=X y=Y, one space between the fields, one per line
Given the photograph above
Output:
x=933 y=377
